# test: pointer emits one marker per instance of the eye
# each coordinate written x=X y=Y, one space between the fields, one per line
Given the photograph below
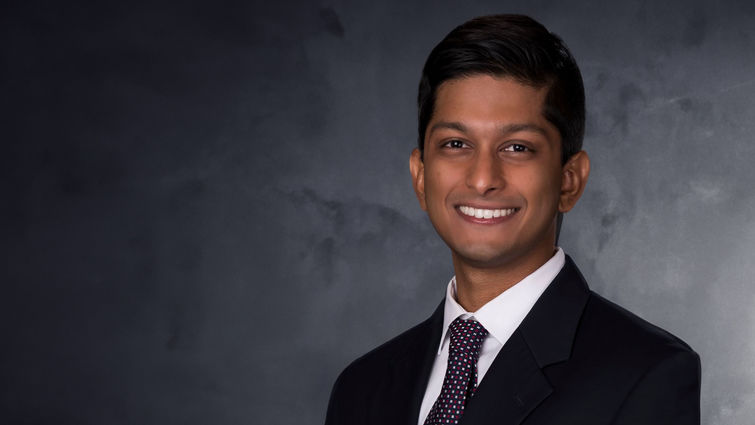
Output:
x=454 y=144
x=517 y=147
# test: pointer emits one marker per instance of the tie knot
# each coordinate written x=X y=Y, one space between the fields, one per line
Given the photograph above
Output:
x=466 y=336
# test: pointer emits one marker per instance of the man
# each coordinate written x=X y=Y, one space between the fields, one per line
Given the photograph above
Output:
x=519 y=338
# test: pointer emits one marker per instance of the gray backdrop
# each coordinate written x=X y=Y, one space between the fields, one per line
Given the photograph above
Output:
x=207 y=210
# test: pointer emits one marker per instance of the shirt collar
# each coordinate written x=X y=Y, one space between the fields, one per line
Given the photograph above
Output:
x=503 y=314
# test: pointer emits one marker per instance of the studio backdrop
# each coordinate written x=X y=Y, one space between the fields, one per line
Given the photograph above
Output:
x=207 y=209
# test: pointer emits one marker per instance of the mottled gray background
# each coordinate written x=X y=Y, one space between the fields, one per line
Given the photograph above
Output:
x=207 y=211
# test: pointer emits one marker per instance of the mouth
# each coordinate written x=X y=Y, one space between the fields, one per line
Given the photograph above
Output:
x=486 y=214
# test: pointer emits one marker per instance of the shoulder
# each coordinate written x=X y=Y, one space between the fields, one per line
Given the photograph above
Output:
x=655 y=374
x=376 y=362
x=625 y=370
x=616 y=338
x=378 y=377
x=618 y=327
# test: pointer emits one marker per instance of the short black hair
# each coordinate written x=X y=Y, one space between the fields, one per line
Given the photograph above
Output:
x=513 y=46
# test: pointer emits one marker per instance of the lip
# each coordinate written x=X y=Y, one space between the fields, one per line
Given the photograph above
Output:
x=506 y=214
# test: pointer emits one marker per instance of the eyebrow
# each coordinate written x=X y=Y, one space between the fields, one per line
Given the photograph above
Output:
x=505 y=129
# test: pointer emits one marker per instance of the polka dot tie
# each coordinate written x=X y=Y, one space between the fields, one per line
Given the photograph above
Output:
x=460 y=381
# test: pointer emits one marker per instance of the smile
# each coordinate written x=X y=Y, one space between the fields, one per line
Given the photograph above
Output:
x=486 y=213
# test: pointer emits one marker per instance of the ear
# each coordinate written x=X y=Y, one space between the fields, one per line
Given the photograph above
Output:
x=573 y=180
x=417 y=168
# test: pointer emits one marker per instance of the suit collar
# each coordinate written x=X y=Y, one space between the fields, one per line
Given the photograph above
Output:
x=551 y=325
x=515 y=384
x=502 y=315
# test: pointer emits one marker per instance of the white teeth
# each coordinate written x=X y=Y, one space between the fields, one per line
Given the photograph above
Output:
x=485 y=213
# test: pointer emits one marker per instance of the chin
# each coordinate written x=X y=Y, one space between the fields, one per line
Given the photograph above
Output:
x=484 y=256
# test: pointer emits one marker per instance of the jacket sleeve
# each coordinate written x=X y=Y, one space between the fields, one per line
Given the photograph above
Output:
x=668 y=394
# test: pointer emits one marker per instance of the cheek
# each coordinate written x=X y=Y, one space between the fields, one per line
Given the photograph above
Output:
x=544 y=189
x=437 y=186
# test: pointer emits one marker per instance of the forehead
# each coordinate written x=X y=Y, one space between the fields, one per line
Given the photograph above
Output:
x=481 y=96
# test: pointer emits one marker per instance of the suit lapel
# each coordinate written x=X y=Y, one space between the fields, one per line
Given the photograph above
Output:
x=515 y=383
x=512 y=387
x=551 y=325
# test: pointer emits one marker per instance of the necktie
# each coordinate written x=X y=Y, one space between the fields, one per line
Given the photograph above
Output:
x=460 y=381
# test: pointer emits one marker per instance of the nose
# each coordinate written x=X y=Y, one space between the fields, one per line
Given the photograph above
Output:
x=485 y=173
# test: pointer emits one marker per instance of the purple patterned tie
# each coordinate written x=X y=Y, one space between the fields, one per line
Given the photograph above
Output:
x=460 y=381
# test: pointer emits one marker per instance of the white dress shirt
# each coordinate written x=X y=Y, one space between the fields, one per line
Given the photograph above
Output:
x=500 y=316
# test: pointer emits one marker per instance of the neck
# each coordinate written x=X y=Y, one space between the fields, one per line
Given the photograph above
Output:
x=476 y=285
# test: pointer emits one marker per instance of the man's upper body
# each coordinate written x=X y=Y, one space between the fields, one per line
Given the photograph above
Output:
x=501 y=122
x=575 y=359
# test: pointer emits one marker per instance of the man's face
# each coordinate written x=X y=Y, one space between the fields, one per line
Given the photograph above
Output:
x=491 y=178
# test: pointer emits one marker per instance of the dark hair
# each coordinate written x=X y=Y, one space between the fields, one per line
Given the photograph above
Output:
x=513 y=46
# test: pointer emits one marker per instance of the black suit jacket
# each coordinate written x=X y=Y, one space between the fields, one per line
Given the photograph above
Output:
x=575 y=359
